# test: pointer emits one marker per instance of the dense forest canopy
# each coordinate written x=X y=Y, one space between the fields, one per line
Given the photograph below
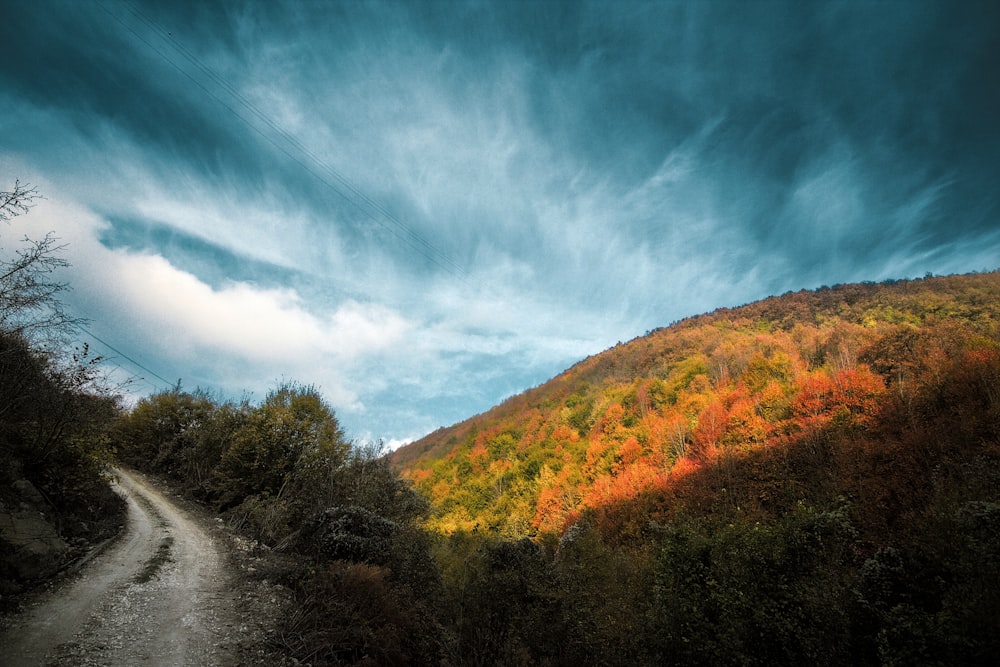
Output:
x=714 y=389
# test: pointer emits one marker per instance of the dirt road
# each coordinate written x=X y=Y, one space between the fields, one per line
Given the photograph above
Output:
x=160 y=596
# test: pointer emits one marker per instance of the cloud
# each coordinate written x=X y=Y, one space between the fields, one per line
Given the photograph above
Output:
x=426 y=207
x=265 y=328
x=239 y=336
x=181 y=319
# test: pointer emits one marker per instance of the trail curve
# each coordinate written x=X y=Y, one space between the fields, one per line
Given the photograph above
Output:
x=161 y=595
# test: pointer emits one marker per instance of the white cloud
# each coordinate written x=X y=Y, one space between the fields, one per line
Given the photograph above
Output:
x=238 y=319
x=186 y=321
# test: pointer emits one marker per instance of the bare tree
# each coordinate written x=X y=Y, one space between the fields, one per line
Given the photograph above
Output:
x=49 y=393
x=29 y=291
x=17 y=201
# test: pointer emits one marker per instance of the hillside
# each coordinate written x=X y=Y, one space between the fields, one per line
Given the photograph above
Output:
x=768 y=403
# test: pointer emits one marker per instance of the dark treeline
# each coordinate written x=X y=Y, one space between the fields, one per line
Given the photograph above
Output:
x=55 y=501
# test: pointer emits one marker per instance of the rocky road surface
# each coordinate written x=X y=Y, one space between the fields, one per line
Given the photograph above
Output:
x=163 y=594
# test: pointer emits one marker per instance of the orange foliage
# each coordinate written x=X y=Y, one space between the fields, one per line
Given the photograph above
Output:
x=610 y=425
x=418 y=475
x=550 y=510
x=860 y=391
x=627 y=485
x=709 y=430
x=479 y=457
x=807 y=393
x=563 y=433
x=745 y=427
x=685 y=466
x=629 y=452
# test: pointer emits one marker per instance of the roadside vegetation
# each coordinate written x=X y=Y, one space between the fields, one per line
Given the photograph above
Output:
x=55 y=409
x=330 y=520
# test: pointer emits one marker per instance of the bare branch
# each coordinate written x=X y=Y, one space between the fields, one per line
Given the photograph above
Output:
x=18 y=201
x=29 y=294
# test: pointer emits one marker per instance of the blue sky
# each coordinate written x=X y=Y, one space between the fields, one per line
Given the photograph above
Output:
x=425 y=207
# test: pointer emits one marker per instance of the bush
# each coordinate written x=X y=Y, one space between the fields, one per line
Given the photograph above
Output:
x=351 y=614
x=753 y=594
x=347 y=533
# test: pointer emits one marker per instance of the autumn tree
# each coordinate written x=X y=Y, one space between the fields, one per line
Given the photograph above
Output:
x=291 y=444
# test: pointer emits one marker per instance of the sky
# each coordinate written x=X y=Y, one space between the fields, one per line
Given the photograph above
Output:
x=422 y=208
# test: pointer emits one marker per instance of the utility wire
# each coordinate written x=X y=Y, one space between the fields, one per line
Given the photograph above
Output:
x=366 y=205
x=122 y=354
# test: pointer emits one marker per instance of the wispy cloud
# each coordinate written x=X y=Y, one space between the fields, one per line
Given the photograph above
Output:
x=425 y=208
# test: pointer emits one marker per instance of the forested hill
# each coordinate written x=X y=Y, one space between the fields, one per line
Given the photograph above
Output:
x=828 y=371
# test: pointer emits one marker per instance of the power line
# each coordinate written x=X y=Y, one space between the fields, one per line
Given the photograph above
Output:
x=130 y=376
x=122 y=354
x=366 y=205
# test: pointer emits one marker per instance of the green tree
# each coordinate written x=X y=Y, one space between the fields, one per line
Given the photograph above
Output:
x=604 y=594
x=754 y=594
x=282 y=463
x=180 y=434
x=367 y=479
